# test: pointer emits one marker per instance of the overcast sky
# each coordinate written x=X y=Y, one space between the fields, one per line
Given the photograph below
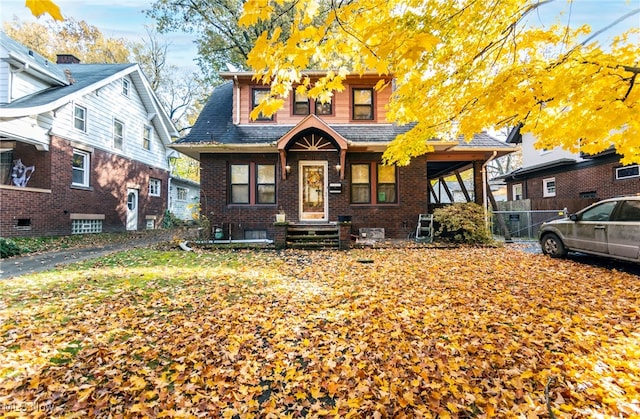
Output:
x=126 y=19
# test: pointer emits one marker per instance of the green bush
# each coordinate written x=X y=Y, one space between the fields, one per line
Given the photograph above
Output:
x=8 y=248
x=462 y=223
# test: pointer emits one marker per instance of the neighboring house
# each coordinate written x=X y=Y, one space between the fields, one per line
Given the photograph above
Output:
x=556 y=179
x=316 y=163
x=184 y=198
x=83 y=147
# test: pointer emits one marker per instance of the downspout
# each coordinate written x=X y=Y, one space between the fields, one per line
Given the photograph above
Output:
x=237 y=84
x=484 y=189
x=169 y=192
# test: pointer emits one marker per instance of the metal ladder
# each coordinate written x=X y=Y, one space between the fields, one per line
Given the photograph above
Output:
x=424 y=230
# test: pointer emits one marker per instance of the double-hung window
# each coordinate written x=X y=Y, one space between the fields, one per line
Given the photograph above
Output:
x=146 y=137
x=252 y=183
x=266 y=184
x=324 y=108
x=516 y=191
x=239 y=183
x=257 y=95
x=386 y=184
x=126 y=86
x=154 y=187
x=549 y=187
x=80 y=168
x=362 y=102
x=181 y=193
x=118 y=134
x=373 y=183
x=301 y=104
x=80 y=117
x=360 y=183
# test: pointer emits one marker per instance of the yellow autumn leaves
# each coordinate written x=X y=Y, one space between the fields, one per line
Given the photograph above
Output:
x=464 y=66
x=418 y=332
x=40 y=7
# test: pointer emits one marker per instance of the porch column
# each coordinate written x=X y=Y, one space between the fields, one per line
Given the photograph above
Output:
x=477 y=182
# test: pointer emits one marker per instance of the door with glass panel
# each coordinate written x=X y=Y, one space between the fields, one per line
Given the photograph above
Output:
x=313 y=191
x=132 y=209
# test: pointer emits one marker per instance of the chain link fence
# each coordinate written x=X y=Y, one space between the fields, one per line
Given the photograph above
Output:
x=522 y=224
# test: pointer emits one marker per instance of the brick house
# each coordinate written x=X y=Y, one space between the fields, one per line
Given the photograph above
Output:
x=556 y=179
x=83 y=147
x=316 y=163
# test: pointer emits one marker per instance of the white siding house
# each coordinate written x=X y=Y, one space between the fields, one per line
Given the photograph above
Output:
x=93 y=139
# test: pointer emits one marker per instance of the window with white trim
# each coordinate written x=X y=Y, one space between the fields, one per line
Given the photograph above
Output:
x=154 y=187
x=80 y=166
x=80 y=117
x=516 y=191
x=627 y=172
x=549 y=187
x=118 y=134
x=146 y=137
x=181 y=193
x=126 y=87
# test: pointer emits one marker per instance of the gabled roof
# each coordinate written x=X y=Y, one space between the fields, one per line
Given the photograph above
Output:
x=71 y=81
x=86 y=78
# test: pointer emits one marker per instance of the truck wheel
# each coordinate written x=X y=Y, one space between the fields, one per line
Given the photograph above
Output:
x=553 y=246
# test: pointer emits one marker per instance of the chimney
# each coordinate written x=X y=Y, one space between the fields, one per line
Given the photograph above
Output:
x=67 y=59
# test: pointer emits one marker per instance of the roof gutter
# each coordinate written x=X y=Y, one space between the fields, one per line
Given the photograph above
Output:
x=26 y=66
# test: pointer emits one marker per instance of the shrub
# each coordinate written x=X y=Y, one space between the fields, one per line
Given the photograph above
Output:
x=8 y=248
x=462 y=223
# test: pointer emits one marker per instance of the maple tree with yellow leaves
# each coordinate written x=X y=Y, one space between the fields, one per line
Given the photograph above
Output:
x=461 y=66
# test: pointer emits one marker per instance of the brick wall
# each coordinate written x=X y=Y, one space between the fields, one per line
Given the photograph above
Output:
x=397 y=219
x=598 y=177
x=49 y=212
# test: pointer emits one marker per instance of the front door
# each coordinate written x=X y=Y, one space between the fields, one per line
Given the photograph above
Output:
x=132 y=209
x=313 y=191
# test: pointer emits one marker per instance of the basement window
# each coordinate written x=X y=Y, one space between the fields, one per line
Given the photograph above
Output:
x=23 y=224
x=86 y=226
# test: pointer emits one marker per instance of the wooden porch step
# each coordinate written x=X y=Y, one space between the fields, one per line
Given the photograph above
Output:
x=313 y=236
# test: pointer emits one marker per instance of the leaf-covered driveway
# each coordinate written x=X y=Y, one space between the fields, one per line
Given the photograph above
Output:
x=415 y=333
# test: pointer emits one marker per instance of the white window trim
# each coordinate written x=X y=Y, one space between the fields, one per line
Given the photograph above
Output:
x=545 y=189
x=627 y=167
x=113 y=134
x=145 y=129
x=84 y=129
x=158 y=182
x=87 y=168
x=514 y=191
x=126 y=90
x=186 y=194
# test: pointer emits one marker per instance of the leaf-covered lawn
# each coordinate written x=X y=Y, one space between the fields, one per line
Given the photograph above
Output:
x=417 y=332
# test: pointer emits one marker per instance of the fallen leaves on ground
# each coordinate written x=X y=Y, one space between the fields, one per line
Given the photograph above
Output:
x=240 y=334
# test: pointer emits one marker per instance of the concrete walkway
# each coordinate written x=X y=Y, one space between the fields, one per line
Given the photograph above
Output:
x=23 y=265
